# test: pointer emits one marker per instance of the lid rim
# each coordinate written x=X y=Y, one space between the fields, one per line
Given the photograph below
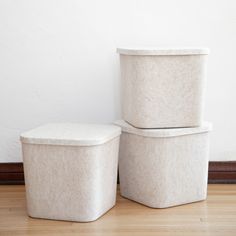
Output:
x=162 y=51
x=163 y=133
x=70 y=134
x=68 y=142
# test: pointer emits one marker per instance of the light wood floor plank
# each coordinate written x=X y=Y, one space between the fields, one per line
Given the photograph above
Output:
x=216 y=216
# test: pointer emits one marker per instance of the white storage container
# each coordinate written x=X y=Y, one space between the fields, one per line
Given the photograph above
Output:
x=70 y=170
x=163 y=88
x=164 y=167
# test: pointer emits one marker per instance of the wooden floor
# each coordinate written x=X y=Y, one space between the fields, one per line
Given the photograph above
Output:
x=216 y=216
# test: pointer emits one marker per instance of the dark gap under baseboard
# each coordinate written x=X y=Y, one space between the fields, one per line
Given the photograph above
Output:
x=219 y=172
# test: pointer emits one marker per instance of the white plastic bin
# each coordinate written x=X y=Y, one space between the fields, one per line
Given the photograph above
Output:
x=70 y=170
x=164 y=167
x=163 y=88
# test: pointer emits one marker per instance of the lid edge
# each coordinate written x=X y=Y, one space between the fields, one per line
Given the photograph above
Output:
x=68 y=142
x=163 y=133
x=163 y=51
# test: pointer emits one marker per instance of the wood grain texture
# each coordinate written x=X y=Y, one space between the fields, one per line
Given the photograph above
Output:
x=215 y=216
x=222 y=172
x=11 y=173
x=229 y=166
x=14 y=167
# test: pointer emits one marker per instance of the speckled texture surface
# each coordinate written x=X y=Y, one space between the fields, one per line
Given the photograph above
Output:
x=164 y=172
x=75 y=183
x=163 y=91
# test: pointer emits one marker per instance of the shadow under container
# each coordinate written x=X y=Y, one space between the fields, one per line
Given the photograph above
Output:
x=164 y=167
x=70 y=170
x=163 y=88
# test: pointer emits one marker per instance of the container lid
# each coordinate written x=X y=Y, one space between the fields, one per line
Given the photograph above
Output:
x=71 y=134
x=162 y=51
x=164 y=132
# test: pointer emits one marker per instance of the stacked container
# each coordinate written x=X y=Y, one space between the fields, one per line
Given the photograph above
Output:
x=164 y=143
x=70 y=170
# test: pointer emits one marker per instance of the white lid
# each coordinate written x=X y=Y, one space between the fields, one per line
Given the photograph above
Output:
x=162 y=51
x=162 y=133
x=71 y=134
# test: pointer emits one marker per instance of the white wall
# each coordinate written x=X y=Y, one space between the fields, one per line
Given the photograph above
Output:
x=58 y=60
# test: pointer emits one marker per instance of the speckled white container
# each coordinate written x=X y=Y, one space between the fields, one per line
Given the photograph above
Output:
x=162 y=88
x=70 y=170
x=163 y=167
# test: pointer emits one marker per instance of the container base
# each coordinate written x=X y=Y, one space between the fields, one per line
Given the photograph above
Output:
x=163 y=207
